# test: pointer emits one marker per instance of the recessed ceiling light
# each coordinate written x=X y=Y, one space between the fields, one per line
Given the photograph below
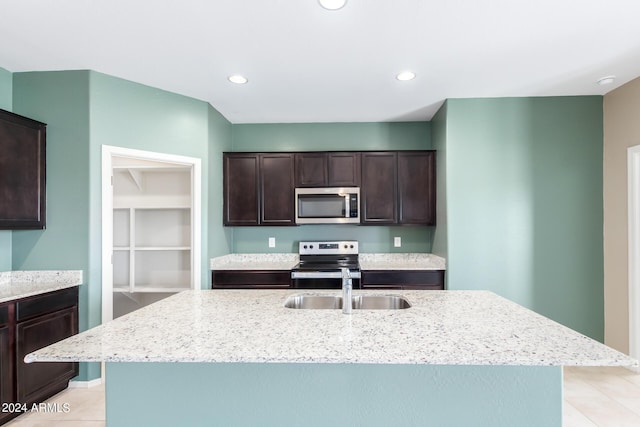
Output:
x=406 y=75
x=332 y=4
x=606 y=80
x=238 y=79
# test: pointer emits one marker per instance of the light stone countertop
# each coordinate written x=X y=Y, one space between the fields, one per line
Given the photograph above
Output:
x=401 y=261
x=368 y=261
x=15 y=285
x=253 y=326
x=275 y=261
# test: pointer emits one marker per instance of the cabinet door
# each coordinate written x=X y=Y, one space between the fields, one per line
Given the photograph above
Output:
x=22 y=172
x=276 y=189
x=403 y=279
x=311 y=169
x=38 y=381
x=416 y=187
x=241 y=203
x=343 y=169
x=6 y=361
x=379 y=185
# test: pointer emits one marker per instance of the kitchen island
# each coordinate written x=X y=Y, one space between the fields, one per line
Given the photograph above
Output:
x=453 y=358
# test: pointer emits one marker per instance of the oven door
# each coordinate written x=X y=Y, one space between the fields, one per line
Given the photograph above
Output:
x=308 y=279
x=327 y=205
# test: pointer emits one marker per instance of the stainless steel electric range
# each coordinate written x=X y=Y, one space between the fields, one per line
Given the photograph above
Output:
x=321 y=264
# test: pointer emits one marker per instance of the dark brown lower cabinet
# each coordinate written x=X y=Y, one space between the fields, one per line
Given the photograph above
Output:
x=251 y=279
x=403 y=279
x=33 y=323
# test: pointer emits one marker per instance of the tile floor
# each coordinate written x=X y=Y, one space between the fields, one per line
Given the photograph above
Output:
x=603 y=397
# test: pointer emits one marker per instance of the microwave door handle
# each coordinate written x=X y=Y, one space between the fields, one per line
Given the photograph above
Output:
x=347 y=206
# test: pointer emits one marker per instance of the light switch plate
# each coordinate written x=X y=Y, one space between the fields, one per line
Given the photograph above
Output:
x=272 y=242
x=397 y=242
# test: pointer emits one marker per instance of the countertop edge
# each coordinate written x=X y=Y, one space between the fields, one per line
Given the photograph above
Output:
x=16 y=285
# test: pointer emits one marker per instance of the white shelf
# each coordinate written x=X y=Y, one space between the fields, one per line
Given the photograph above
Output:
x=162 y=248
x=152 y=229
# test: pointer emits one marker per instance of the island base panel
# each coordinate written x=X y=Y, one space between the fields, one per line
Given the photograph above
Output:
x=230 y=394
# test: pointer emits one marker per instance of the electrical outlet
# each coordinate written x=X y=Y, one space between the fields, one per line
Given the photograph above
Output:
x=397 y=242
x=272 y=242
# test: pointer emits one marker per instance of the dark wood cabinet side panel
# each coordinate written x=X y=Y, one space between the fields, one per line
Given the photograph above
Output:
x=311 y=169
x=251 y=279
x=344 y=169
x=240 y=176
x=38 y=381
x=7 y=358
x=416 y=188
x=22 y=172
x=277 y=189
x=379 y=185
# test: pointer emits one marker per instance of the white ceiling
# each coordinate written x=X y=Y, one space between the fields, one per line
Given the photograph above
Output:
x=307 y=64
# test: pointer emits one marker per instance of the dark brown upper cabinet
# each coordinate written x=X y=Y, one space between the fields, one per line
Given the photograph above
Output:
x=416 y=187
x=276 y=189
x=398 y=188
x=240 y=176
x=328 y=169
x=258 y=189
x=22 y=172
x=379 y=188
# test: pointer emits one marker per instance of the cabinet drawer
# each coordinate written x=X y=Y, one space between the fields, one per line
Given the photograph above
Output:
x=403 y=279
x=46 y=303
x=4 y=314
x=246 y=279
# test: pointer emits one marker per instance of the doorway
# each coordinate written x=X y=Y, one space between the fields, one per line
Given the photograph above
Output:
x=151 y=227
x=633 y=170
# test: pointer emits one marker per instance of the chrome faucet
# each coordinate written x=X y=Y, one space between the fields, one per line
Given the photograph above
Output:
x=347 y=286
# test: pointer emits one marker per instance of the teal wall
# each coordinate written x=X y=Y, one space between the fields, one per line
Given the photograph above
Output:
x=332 y=136
x=6 y=101
x=332 y=394
x=524 y=203
x=439 y=140
x=220 y=239
x=84 y=110
x=60 y=99
x=130 y=115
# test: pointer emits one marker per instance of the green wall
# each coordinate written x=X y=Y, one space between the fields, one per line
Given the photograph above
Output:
x=220 y=239
x=332 y=394
x=84 y=110
x=332 y=136
x=439 y=139
x=6 y=101
x=130 y=115
x=60 y=99
x=524 y=203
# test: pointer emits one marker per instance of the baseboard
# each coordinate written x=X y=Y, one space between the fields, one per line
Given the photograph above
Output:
x=85 y=384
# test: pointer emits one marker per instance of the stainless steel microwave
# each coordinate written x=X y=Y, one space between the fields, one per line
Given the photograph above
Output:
x=330 y=205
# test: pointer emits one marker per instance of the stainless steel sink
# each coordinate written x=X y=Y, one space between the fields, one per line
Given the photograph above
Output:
x=359 y=302
x=380 y=302
x=314 y=301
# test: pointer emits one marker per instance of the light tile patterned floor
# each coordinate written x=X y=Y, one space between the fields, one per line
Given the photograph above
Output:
x=602 y=397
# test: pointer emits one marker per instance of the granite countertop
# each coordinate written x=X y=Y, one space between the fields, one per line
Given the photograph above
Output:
x=402 y=261
x=275 y=261
x=15 y=285
x=368 y=261
x=253 y=326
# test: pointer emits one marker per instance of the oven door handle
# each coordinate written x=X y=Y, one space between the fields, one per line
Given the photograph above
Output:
x=322 y=274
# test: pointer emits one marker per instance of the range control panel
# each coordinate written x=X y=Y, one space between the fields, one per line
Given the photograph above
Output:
x=328 y=247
